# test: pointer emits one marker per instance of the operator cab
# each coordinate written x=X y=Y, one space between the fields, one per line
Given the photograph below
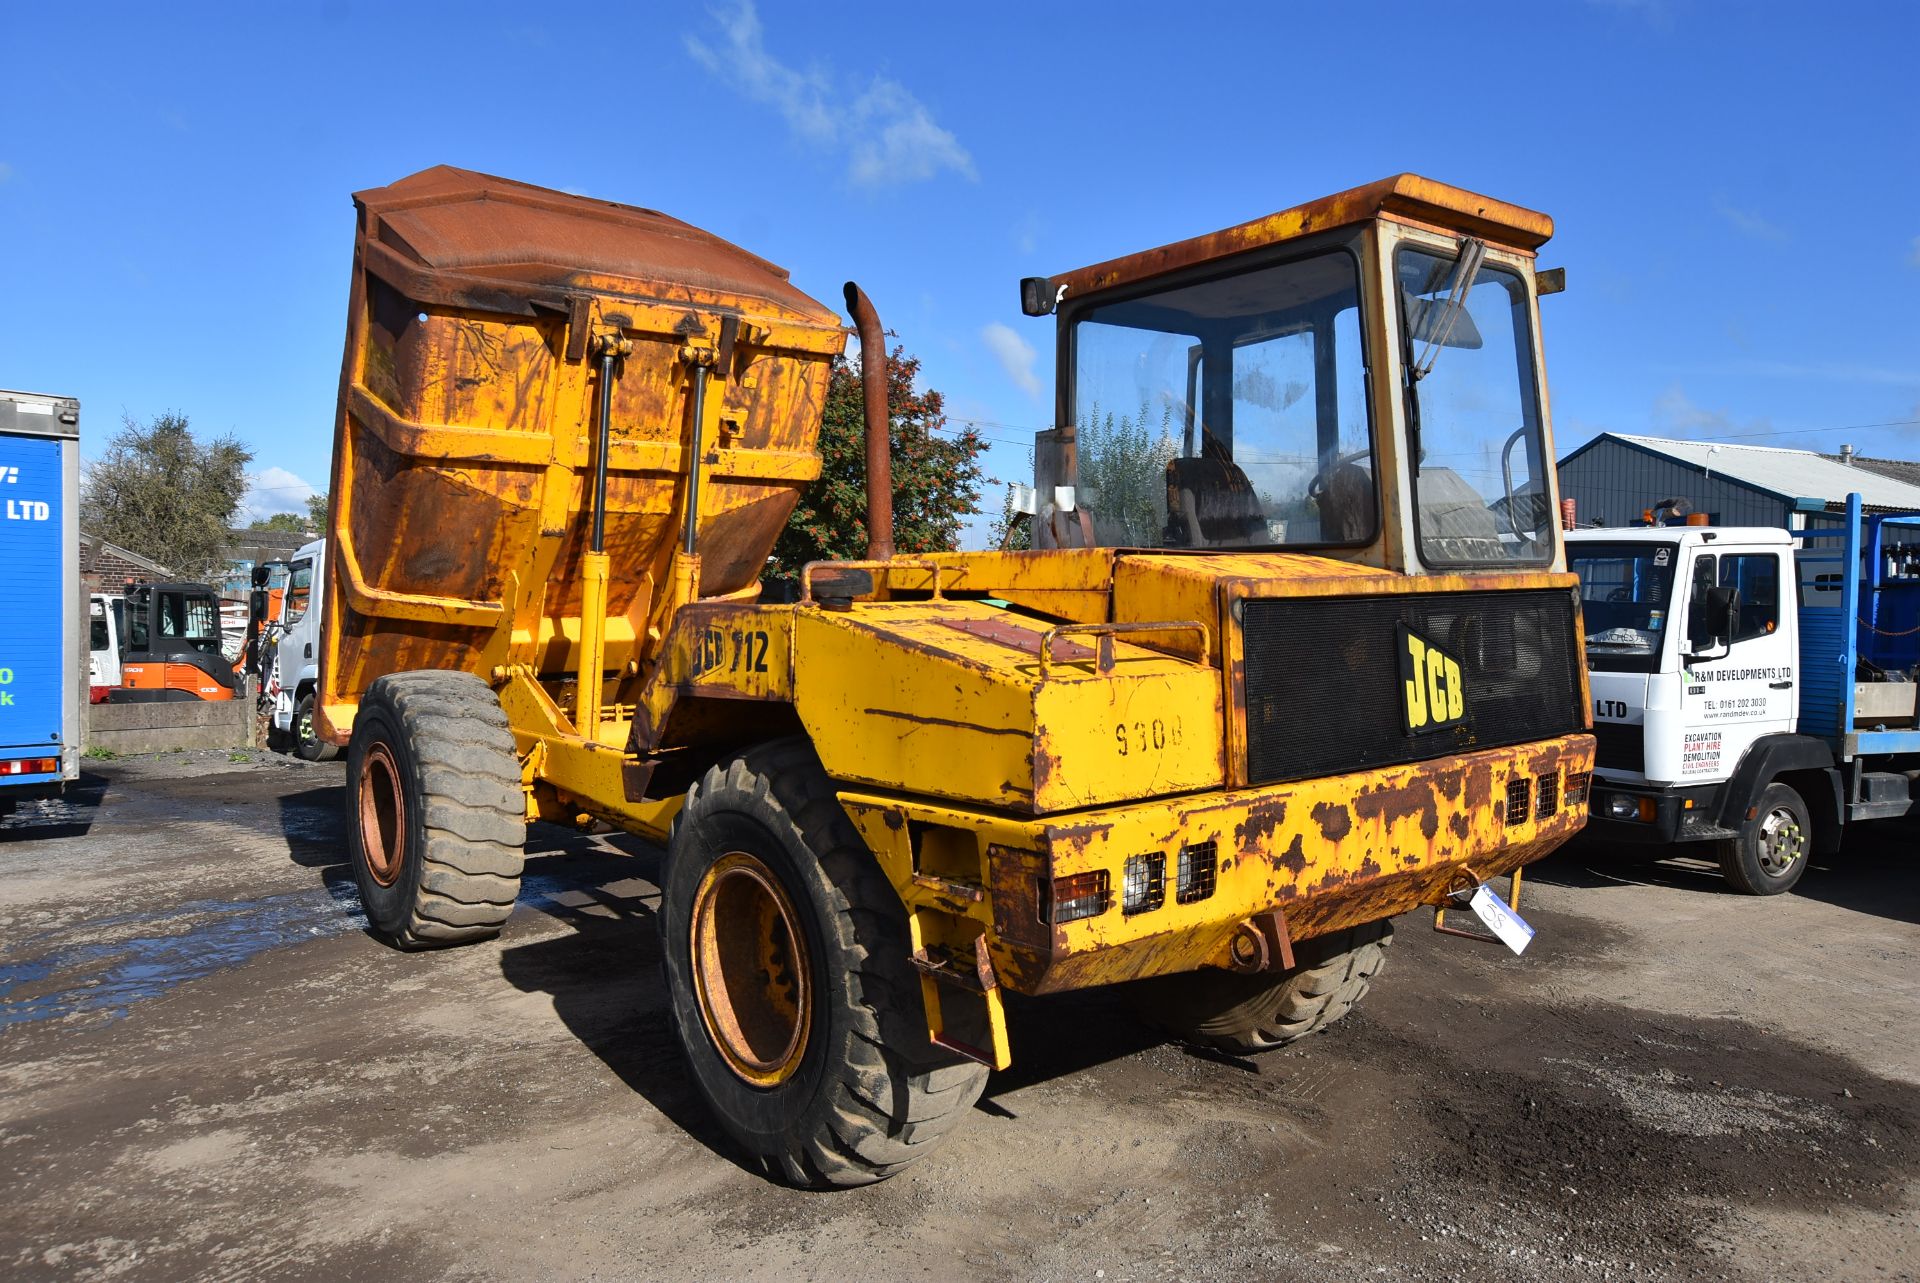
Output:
x=1359 y=378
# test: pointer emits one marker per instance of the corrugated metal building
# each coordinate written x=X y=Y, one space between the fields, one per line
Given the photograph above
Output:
x=1614 y=478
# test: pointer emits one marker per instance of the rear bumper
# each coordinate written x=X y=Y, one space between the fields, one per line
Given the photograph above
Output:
x=1329 y=854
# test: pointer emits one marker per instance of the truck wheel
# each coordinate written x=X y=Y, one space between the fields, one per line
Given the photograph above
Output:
x=787 y=969
x=1771 y=852
x=306 y=745
x=436 y=814
x=1246 y=1014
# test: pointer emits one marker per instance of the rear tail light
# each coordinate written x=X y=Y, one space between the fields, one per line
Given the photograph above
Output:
x=30 y=766
x=1068 y=899
x=1196 y=874
x=1574 y=795
x=1549 y=803
x=1144 y=885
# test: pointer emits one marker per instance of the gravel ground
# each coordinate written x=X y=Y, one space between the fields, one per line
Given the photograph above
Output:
x=209 y=1070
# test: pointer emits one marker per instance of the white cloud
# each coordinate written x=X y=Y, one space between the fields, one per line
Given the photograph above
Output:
x=887 y=135
x=272 y=490
x=1749 y=223
x=1015 y=354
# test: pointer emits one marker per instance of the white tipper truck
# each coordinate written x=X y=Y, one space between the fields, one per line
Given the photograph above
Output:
x=1753 y=688
x=290 y=667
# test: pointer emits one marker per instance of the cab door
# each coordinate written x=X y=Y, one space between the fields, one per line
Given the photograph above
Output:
x=103 y=655
x=1739 y=687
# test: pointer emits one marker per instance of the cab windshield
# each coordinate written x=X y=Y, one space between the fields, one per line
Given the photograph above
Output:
x=1480 y=488
x=1625 y=596
x=1229 y=412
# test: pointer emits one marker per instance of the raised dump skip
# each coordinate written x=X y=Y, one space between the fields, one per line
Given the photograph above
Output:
x=464 y=461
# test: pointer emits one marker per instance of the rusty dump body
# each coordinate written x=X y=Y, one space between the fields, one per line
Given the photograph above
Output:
x=1072 y=764
x=462 y=463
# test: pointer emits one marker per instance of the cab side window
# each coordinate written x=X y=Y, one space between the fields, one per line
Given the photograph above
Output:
x=299 y=592
x=1757 y=576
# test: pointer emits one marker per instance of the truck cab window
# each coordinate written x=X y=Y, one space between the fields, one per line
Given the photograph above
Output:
x=1229 y=412
x=1624 y=599
x=1481 y=477
x=299 y=591
x=1757 y=576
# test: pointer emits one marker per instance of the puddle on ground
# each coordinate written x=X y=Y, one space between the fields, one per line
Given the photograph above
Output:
x=186 y=942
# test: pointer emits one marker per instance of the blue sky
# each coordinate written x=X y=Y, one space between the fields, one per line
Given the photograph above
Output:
x=1737 y=187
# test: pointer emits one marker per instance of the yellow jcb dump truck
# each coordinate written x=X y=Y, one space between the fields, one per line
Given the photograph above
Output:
x=1333 y=675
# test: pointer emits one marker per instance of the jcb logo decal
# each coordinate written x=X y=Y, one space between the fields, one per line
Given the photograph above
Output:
x=1431 y=685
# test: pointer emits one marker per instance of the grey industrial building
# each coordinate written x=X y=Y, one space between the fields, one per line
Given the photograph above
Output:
x=1615 y=478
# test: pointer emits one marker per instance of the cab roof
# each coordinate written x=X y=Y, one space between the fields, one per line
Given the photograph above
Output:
x=1668 y=534
x=1404 y=197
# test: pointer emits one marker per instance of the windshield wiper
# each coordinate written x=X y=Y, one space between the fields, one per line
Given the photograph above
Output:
x=1473 y=252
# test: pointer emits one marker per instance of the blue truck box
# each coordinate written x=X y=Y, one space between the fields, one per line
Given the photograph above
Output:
x=42 y=655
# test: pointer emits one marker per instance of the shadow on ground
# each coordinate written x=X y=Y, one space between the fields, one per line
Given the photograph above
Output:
x=603 y=973
x=1875 y=872
x=68 y=816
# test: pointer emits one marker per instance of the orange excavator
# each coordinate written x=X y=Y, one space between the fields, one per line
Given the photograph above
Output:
x=168 y=645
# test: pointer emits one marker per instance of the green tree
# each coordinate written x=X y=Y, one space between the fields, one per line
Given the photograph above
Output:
x=291 y=522
x=936 y=474
x=159 y=491
x=317 y=512
x=1123 y=473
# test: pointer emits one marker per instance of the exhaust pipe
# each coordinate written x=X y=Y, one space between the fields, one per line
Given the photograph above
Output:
x=873 y=379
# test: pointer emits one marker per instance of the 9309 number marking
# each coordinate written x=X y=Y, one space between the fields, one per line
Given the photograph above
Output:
x=1151 y=736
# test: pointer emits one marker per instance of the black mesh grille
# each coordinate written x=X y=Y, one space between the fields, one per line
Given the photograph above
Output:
x=1622 y=747
x=1194 y=877
x=1325 y=695
x=1549 y=803
x=1518 y=793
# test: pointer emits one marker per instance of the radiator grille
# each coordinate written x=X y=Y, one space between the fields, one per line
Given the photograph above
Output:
x=1325 y=693
x=1620 y=746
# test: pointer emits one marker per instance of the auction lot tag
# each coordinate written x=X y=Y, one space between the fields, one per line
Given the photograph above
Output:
x=1499 y=919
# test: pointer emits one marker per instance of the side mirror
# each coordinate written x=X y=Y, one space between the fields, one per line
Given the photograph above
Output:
x=1711 y=621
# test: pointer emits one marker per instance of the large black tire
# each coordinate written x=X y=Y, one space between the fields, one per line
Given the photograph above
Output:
x=306 y=745
x=436 y=819
x=788 y=971
x=1247 y=1014
x=1771 y=851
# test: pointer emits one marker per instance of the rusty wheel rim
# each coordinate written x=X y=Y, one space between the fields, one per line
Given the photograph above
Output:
x=751 y=971
x=383 y=815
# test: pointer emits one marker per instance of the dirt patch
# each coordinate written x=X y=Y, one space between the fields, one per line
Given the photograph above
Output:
x=211 y=1071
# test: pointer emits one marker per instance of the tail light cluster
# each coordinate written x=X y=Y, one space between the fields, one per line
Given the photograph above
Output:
x=1543 y=798
x=29 y=766
x=1143 y=885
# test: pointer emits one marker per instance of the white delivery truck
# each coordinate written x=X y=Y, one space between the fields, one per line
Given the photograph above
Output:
x=290 y=663
x=1753 y=688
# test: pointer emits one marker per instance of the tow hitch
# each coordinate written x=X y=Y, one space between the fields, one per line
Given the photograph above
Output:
x=1500 y=917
